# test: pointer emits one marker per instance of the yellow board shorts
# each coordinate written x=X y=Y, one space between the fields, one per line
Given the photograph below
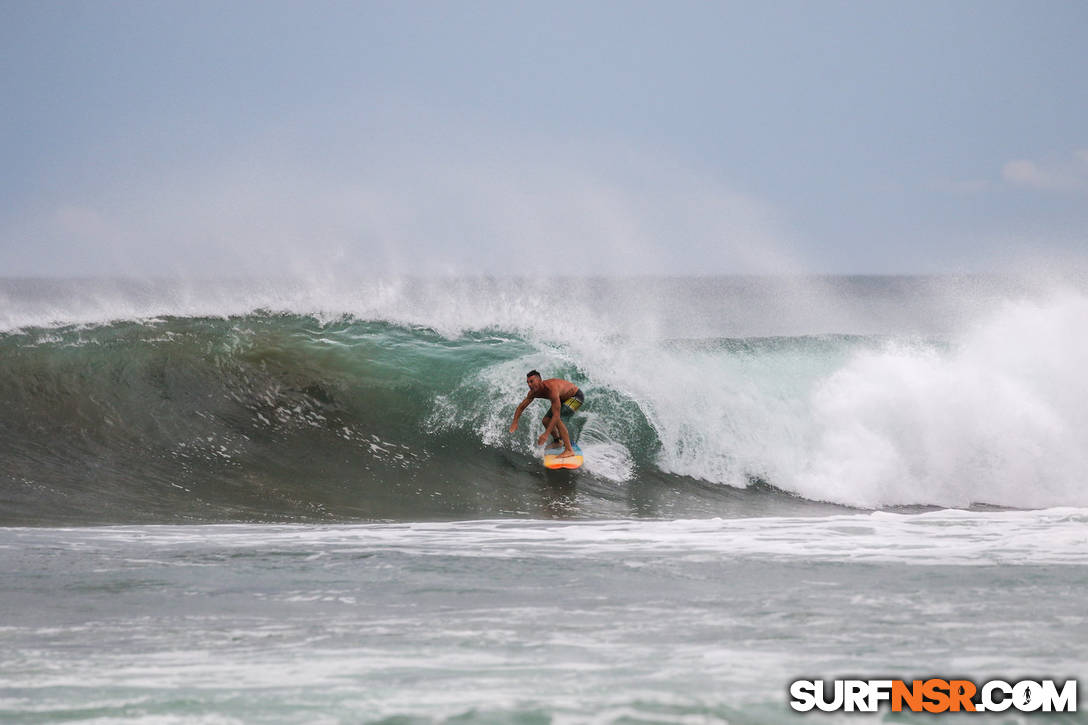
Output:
x=571 y=405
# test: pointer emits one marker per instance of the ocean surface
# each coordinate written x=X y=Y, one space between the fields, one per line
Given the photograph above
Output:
x=298 y=500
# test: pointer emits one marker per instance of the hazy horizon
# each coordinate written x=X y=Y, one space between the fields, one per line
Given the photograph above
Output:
x=187 y=140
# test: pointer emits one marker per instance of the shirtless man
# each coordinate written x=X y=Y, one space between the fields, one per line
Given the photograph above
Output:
x=565 y=398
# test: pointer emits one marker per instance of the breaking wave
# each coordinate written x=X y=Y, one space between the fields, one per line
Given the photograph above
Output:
x=366 y=414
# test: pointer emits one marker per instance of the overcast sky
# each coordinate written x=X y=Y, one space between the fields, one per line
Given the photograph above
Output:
x=211 y=138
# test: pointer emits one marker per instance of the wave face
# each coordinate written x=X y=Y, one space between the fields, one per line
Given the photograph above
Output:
x=391 y=400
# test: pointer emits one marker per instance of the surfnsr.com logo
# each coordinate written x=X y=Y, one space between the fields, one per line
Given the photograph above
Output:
x=933 y=695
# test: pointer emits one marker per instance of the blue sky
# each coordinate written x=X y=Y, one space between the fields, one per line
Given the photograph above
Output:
x=204 y=138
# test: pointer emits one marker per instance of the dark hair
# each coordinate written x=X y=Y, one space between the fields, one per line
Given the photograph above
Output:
x=531 y=373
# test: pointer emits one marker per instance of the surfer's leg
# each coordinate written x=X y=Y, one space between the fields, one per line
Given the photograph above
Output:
x=567 y=410
x=567 y=450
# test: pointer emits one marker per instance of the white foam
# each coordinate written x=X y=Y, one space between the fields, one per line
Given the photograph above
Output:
x=607 y=459
x=946 y=537
x=1001 y=418
x=997 y=415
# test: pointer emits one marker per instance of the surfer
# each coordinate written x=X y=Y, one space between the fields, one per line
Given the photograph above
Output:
x=565 y=398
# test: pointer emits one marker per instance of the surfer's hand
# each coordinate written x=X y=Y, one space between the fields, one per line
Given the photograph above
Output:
x=513 y=427
x=543 y=437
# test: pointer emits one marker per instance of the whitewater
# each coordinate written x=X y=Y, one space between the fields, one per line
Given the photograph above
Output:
x=297 y=500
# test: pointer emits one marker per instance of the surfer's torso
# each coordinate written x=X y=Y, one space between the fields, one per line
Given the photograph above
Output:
x=557 y=387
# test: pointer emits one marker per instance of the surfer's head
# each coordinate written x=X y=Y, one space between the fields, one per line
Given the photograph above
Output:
x=533 y=378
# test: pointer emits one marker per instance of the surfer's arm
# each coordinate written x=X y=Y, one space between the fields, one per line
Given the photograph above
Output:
x=518 y=412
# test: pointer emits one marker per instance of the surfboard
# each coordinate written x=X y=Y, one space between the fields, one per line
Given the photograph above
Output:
x=552 y=459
